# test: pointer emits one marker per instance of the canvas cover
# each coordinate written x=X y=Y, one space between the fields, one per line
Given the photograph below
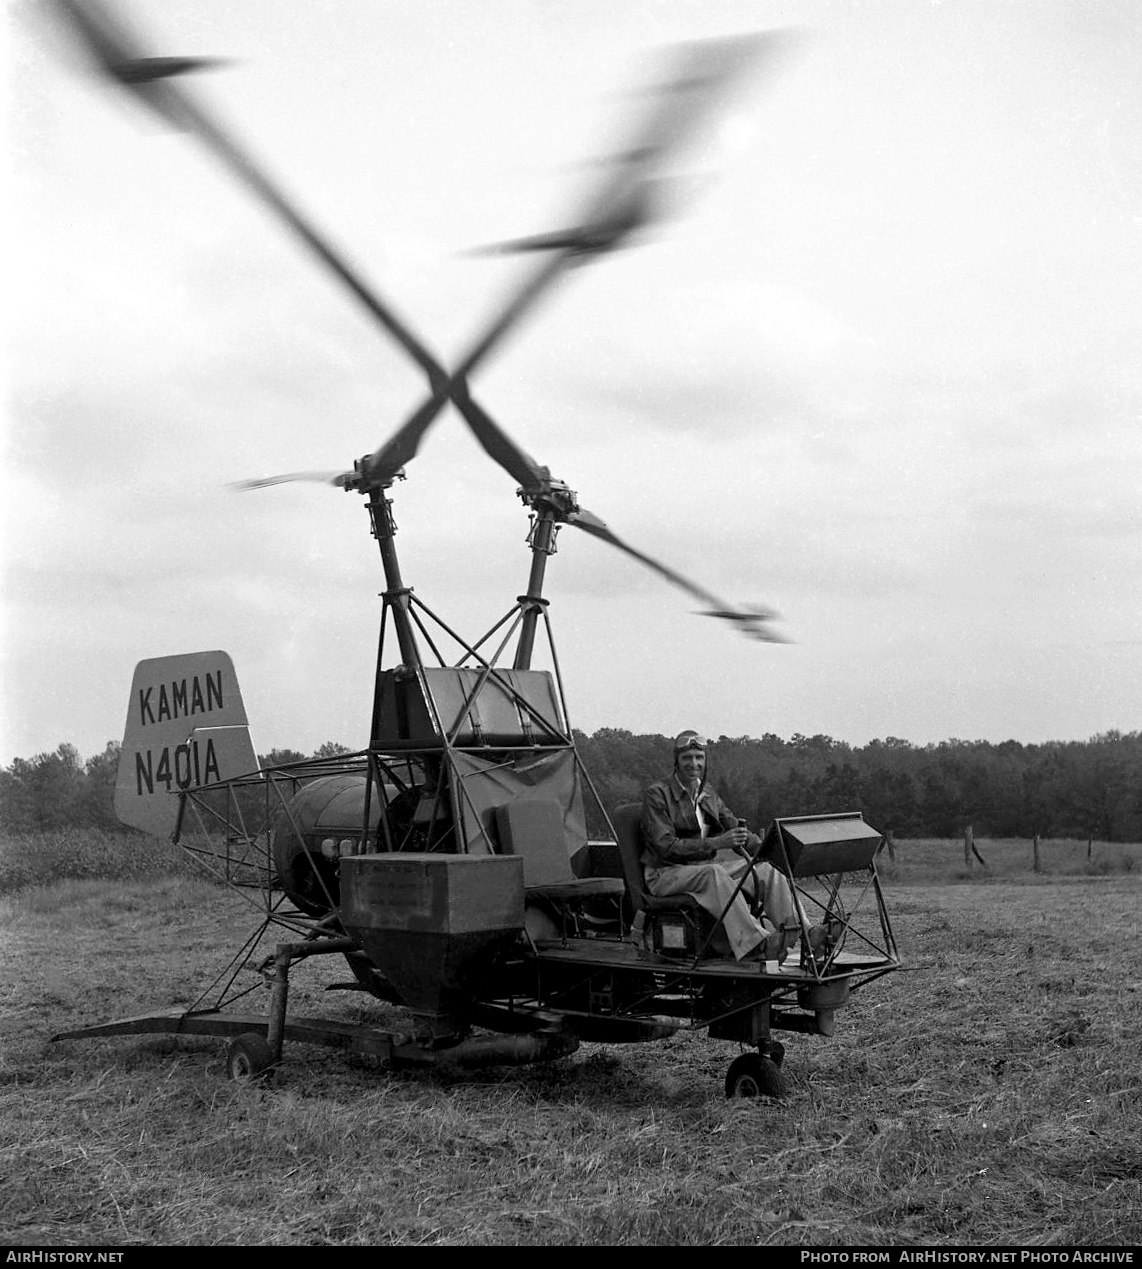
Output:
x=483 y=783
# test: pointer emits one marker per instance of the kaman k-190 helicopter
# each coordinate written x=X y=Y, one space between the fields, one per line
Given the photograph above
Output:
x=449 y=862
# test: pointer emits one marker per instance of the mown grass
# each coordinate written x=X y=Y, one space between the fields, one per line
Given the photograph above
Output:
x=35 y=859
x=932 y=859
x=985 y=1095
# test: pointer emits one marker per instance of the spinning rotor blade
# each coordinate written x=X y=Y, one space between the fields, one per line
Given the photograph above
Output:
x=635 y=192
x=263 y=482
x=535 y=479
x=627 y=200
x=120 y=56
x=751 y=621
x=632 y=195
x=497 y=444
x=703 y=75
x=701 y=78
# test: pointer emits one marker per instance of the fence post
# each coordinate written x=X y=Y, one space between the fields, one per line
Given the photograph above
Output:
x=891 y=845
x=967 y=845
x=1089 y=843
x=1035 y=853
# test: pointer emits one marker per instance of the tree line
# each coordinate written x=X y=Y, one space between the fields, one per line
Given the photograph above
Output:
x=1056 y=789
x=56 y=790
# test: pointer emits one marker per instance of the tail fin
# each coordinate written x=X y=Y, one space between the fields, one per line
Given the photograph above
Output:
x=186 y=728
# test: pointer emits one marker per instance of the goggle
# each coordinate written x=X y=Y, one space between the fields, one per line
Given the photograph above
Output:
x=690 y=740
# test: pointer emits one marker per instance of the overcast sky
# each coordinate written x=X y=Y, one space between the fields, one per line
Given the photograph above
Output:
x=885 y=376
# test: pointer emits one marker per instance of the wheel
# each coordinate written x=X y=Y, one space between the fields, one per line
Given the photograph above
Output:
x=249 y=1057
x=753 y=1075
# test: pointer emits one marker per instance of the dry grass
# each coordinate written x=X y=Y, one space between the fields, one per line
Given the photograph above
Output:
x=937 y=859
x=34 y=859
x=987 y=1095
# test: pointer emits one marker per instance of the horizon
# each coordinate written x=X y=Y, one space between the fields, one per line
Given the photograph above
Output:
x=1113 y=734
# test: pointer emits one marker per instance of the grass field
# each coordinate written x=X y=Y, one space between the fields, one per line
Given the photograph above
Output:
x=32 y=859
x=986 y=1095
x=930 y=859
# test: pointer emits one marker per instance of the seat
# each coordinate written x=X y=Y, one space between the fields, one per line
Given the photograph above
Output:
x=628 y=829
x=533 y=829
x=676 y=924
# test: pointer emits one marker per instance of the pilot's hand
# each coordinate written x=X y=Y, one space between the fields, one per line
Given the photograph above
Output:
x=735 y=838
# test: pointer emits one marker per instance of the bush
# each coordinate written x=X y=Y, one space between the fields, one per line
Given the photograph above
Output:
x=37 y=859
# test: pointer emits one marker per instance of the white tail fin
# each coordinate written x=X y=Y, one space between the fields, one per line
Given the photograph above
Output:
x=186 y=728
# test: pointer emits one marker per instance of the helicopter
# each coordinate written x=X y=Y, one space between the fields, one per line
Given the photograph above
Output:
x=449 y=862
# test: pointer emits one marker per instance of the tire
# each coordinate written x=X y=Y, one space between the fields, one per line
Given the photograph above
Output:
x=753 y=1075
x=249 y=1058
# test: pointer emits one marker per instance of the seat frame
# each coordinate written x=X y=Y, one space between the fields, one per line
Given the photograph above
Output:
x=533 y=829
x=674 y=925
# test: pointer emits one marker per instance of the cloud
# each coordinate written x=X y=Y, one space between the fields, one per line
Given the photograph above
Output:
x=710 y=357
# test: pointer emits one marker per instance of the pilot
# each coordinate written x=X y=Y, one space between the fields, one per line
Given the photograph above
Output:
x=684 y=825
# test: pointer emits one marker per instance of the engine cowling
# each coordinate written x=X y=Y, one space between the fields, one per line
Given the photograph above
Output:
x=321 y=824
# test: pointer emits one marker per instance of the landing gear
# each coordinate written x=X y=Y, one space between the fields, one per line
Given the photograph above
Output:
x=755 y=1075
x=249 y=1058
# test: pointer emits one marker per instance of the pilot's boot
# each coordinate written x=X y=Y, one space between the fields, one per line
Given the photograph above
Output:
x=771 y=948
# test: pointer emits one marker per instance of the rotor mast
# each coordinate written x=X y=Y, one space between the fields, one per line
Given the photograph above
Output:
x=396 y=593
x=541 y=539
x=552 y=504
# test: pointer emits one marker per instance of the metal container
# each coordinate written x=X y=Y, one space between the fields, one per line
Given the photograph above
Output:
x=433 y=923
x=816 y=844
x=516 y=707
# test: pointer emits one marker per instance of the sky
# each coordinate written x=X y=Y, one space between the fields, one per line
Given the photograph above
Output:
x=884 y=376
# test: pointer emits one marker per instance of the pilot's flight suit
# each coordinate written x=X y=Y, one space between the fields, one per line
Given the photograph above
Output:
x=677 y=859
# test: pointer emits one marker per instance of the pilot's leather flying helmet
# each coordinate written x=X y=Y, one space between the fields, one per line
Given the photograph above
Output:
x=689 y=740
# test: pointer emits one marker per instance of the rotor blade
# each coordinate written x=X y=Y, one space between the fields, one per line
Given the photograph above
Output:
x=636 y=189
x=497 y=444
x=118 y=53
x=641 y=204
x=321 y=477
x=703 y=74
x=523 y=299
x=700 y=78
x=751 y=623
x=387 y=459
x=635 y=192
x=121 y=56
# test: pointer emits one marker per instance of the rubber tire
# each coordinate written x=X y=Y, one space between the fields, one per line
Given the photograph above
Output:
x=752 y=1075
x=249 y=1058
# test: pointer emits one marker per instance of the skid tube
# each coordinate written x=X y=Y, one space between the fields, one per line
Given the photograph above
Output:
x=392 y=1048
